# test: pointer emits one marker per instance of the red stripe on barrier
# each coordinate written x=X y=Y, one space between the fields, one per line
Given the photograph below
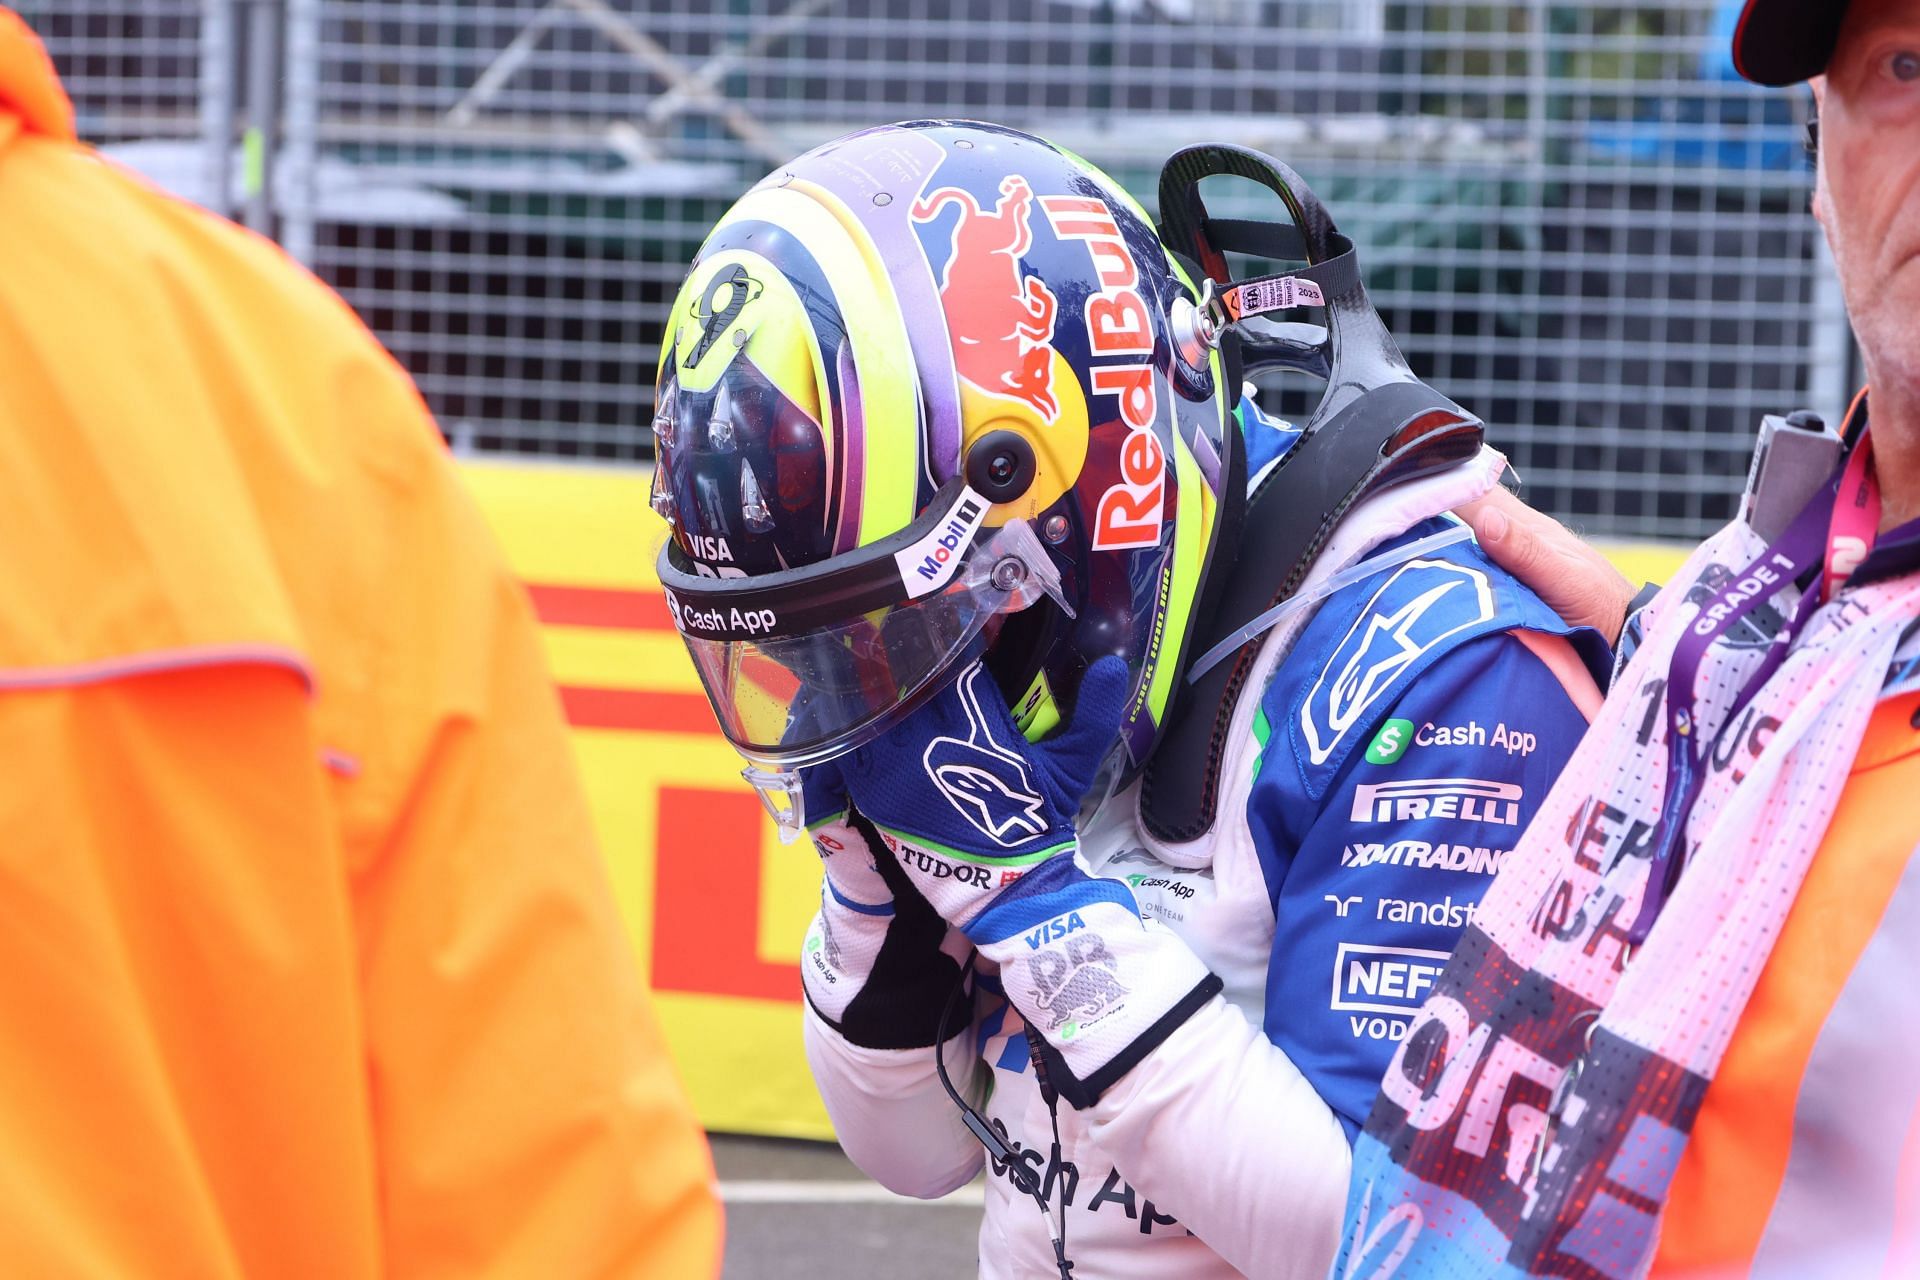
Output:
x=707 y=899
x=589 y=708
x=616 y=608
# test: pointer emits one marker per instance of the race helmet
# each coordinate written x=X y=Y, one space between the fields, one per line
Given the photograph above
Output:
x=929 y=394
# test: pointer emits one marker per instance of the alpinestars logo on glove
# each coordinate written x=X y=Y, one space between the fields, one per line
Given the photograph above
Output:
x=984 y=781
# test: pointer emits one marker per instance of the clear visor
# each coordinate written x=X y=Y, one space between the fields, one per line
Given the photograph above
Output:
x=790 y=701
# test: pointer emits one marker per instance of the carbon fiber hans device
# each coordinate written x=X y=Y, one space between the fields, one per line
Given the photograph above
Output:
x=1377 y=425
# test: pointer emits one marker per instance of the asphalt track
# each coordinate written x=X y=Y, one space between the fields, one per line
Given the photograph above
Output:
x=801 y=1211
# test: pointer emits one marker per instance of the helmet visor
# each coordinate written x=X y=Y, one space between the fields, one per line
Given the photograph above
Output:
x=807 y=664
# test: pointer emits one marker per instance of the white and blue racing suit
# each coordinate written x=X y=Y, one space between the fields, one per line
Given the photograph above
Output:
x=1367 y=798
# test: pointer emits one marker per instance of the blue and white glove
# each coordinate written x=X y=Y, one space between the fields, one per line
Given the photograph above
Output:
x=982 y=823
x=879 y=964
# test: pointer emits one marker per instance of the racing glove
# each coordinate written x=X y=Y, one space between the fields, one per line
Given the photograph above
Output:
x=982 y=824
x=878 y=964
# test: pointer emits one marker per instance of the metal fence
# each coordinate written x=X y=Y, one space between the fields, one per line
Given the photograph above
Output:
x=1574 y=217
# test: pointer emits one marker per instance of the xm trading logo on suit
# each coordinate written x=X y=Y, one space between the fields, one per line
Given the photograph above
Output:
x=1477 y=859
x=1385 y=641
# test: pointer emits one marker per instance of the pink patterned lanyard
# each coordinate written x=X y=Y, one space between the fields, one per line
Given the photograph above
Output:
x=1855 y=521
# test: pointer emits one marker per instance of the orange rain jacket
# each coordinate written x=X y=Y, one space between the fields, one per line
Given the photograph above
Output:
x=1807 y=1145
x=308 y=964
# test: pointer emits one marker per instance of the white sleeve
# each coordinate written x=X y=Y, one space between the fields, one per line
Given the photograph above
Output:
x=1218 y=1127
x=890 y=1113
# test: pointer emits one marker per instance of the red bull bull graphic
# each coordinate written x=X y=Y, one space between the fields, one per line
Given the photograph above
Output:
x=999 y=319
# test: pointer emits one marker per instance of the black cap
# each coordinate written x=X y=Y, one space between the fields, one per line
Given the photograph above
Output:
x=1780 y=42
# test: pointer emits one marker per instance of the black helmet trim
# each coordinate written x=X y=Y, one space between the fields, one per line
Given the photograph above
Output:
x=916 y=561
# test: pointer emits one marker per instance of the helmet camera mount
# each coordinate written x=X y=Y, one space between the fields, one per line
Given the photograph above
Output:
x=1000 y=466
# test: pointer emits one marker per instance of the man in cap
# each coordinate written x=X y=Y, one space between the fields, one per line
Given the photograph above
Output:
x=1678 y=1037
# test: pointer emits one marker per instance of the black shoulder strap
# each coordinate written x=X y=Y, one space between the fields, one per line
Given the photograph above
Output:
x=1389 y=434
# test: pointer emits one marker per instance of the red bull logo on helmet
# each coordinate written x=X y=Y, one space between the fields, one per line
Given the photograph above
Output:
x=999 y=319
x=1132 y=513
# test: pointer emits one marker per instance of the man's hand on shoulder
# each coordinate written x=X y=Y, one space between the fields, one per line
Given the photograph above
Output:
x=1575 y=581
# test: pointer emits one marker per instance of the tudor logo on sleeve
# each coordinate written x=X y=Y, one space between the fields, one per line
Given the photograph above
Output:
x=1412 y=799
x=1384 y=643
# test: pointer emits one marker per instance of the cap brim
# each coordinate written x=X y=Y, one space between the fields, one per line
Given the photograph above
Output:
x=1782 y=42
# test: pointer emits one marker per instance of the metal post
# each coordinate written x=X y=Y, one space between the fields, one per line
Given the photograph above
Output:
x=216 y=102
x=297 y=175
x=1539 y=156
x=1366 y=19
x=261 y=75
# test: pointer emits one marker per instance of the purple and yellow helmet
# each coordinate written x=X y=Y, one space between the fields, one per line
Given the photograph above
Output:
x=920 y=400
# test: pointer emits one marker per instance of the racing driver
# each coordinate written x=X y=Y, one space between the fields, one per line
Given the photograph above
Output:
x=1157 y=751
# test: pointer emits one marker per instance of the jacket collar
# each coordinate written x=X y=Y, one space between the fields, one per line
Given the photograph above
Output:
x=29 y=87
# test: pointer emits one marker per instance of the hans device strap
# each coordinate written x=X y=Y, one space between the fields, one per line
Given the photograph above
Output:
x=1377 y=425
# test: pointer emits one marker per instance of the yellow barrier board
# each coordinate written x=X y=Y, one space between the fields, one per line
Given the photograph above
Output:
x=716 y=906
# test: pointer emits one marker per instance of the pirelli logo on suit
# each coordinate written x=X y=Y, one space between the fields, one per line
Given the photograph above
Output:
x=1414 y=799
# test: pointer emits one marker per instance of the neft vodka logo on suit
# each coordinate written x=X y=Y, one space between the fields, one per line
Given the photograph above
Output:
x=1379 y=989
x=1385 y=642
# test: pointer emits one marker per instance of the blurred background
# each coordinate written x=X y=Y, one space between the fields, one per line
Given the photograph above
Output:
x=1578 y=222
x=1575 y=218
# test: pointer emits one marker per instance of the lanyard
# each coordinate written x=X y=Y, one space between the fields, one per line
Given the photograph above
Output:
x=1834 y=531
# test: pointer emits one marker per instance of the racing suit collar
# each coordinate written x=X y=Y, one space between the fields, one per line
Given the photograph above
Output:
x=30 y=89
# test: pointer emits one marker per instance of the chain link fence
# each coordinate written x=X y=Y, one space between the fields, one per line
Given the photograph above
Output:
x=1575 y=218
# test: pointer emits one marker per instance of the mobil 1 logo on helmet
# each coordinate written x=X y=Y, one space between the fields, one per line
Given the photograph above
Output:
x=930 y=562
